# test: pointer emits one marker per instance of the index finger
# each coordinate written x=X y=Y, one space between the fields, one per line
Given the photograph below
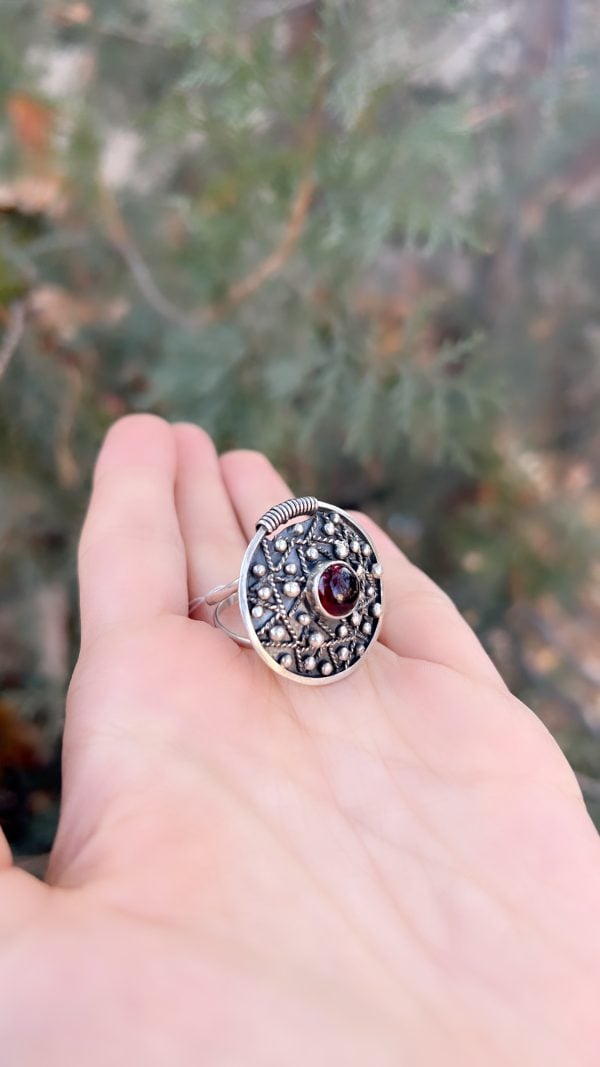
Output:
x=131 y=555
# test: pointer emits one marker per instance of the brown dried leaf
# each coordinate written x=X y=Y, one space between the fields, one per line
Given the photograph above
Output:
x=32 y=122
x=34 y=195
x=60 y=313
x=63 y=315
x=74 y=14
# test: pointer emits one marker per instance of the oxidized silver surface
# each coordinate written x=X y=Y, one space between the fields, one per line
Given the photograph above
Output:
x=284 y=619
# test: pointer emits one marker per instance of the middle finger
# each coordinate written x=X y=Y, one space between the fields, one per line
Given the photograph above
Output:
x=213 y=539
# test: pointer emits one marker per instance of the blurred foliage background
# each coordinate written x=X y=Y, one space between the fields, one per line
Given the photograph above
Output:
x=361 y=235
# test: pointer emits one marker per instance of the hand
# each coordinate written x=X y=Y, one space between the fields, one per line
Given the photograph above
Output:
x=393 y=870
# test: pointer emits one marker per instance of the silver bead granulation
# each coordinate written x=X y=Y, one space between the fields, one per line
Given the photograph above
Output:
x=284 y=601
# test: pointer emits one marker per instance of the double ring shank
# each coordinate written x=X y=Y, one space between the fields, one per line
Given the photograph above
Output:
x=226 y=595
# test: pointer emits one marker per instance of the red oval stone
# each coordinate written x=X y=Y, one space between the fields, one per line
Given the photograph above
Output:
x=338 y=589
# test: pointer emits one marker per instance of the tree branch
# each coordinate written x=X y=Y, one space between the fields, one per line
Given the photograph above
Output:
x=237 y=293
x=275 y=262
x=13 y=334
x=64 y=456
x=135 y=35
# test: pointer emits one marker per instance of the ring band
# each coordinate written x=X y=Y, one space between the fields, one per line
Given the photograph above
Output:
x=310 y=592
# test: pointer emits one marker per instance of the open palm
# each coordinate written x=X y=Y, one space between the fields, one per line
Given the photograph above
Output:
x=395 y=869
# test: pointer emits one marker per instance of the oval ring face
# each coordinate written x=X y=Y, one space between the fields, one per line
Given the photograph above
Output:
x=311 y=596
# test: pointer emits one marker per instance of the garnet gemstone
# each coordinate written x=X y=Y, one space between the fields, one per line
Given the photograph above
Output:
x=338 y=589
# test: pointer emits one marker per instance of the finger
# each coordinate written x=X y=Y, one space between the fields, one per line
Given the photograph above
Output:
x=213 y=538
x=131 y=555
x=253 y=485
x=420 y=621
x=5 y=853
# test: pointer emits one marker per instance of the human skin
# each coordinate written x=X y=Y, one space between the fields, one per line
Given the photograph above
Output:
x=397 y=869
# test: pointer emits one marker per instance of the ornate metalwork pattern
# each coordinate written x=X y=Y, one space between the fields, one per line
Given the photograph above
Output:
x=299 y=505
x=311 y=591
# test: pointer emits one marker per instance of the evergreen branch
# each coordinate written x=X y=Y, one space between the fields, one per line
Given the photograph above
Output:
x=13 y=334
x=263 y=9
x=237 y=293
x=134 y=35
x=276 y=260
x=241 y=290
x=272 y=8
x=480 y=115
x=124 y=244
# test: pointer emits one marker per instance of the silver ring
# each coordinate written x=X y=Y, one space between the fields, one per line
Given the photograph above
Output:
x=310 y=592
